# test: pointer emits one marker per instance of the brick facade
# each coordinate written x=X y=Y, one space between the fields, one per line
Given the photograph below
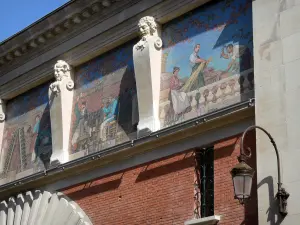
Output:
x=161 y=192
x=232 y=213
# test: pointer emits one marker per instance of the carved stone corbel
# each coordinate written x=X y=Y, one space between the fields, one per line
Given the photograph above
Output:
x=2 y=111
x=147 y=66
x=2 y=122
x=61 y=99
x=62 y=73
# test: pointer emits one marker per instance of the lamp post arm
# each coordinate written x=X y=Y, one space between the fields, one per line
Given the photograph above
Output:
x=244 y=155
x=282 y=195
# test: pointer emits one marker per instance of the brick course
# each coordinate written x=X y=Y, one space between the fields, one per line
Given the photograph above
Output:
x=161 y=192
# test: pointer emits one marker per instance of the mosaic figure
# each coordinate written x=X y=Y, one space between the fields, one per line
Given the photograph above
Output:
x=180 y=103
x=240 y=58
x=198 y=64
x=110 y=112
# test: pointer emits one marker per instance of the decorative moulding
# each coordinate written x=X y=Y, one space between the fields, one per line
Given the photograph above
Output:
x=62 y=26
x=211 y=220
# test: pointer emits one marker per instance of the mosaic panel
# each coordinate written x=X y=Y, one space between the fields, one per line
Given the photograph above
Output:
x=207 y=61
x=27 y=134
x=105 y=109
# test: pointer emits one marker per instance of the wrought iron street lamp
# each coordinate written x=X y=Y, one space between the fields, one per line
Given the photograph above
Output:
x=242 y=175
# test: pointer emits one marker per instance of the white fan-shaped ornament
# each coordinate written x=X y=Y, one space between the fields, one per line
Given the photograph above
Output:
x=41 y=208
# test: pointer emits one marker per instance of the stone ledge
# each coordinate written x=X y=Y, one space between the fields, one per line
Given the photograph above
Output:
x=103 y=163
x=211 y=220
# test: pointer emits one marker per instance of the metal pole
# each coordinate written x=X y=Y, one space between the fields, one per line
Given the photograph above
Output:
x=249 y=150
x=282 y=195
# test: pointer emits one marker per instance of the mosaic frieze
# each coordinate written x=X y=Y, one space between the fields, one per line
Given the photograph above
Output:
x=27 y=139
x=105 y=110
x=207 y=61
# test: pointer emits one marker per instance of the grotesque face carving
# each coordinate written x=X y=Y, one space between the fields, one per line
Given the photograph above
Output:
x=144 y=29
x=61 y=69
x=147 y=26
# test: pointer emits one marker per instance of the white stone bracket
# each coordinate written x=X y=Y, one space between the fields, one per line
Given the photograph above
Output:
x=61 y=99
x=147 y=56
x=2 y=122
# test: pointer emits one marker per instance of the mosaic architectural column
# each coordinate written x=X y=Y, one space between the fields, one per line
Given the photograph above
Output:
x=61 y=98
x=2 y=119
x=147 y=66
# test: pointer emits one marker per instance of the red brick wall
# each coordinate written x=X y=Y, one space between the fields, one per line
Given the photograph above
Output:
x=161 y=192
x=156 y=193
x=232 y=213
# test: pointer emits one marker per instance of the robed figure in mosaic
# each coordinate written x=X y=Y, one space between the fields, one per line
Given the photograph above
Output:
x=197 y=64
x=180 y=103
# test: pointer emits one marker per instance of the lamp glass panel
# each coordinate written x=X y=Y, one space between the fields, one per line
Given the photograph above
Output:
x=248 y=186
x=238 y=182
x=242 y=186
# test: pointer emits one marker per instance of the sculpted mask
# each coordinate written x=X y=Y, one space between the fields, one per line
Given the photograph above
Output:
x=62 y=71
x=2 y=110
x=148 y=28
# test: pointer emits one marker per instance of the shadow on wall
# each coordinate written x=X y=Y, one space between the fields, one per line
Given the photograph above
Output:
x=186 y=162
x=225 y=151
x=146 y=172
x=128 y=103
x=91 y=188
x=274 y=216
x=43 y=143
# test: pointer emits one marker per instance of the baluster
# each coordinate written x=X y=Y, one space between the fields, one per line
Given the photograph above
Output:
x=205 y=94
x=242 y=84
x=201 y=102
x=162 y=115
x=223 y=88
x=231 y=85
x=194 y=101
x=214 y=92
x=251 y=80
x=219 y=95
